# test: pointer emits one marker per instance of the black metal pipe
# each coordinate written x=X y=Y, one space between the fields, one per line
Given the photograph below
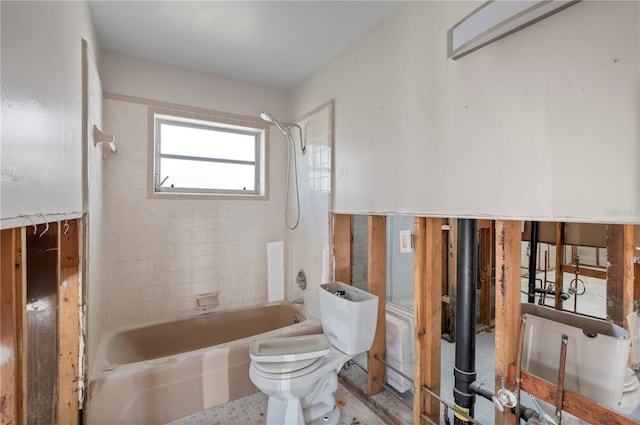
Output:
x=533 y=260
x=467 y=276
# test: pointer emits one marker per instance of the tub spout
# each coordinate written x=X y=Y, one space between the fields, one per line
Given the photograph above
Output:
x=297 y=301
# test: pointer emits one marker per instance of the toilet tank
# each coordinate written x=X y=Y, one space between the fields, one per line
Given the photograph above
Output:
x=348 y=317
x=597 y=352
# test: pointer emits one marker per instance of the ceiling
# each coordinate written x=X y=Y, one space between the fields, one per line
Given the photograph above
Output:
x=275 y=43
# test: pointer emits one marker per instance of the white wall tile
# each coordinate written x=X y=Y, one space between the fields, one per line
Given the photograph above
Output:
x=161 y=253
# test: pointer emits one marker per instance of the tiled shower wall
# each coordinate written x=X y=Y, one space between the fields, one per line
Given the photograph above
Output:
x=161 y=253
x=97 y=157
x=309 y=243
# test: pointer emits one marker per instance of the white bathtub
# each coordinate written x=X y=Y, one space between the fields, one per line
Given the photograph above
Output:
x=159 y=373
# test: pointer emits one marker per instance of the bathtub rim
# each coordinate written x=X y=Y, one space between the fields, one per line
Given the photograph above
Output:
x=101 y=367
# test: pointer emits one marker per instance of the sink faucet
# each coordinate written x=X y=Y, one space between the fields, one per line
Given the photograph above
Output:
x=297 y=301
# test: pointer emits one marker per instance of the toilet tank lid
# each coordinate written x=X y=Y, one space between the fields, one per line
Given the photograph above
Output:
x=289 y=348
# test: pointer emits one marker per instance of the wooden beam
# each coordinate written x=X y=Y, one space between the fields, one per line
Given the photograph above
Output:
x=508 y=239
x=428 y=273
x=573 y=403
x=585 y=271
x=68 y=322
x=559 y=284
x=377 y=285
x=8 y=331
x=12 y=298
x=453 y=275
x=620 y=269
x=342 y=239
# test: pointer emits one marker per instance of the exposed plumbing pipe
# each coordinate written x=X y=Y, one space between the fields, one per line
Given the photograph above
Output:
x=486 y=392
x=467 y=276
x=533 y=259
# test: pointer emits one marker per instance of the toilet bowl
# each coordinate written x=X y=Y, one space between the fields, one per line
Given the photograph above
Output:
x=300 y=374
x=304 y=396
x=630 y=393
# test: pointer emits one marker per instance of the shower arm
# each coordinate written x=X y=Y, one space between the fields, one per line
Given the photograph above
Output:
x=266 y=116
x=303 y=146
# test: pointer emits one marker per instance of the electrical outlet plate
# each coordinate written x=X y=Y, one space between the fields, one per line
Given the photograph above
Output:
x=405 y=241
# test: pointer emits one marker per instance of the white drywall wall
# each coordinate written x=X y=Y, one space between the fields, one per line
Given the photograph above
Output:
x=41 y=133
x=126 y=75
x=541 y=124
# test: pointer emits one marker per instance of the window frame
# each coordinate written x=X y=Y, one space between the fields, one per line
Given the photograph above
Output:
x=260 y=163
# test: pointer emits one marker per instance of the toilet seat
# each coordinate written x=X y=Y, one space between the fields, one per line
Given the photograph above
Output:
x=262 y=369
x=284 y=367
x=288 y=357
x=290 y=349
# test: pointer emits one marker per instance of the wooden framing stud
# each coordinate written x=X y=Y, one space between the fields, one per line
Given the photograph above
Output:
x=453 y=275
x=572 y=403
x=377 y=285
x=68 y=322
x=13 y=382
x=508 y=239
x=620 y=272
x=428 y=272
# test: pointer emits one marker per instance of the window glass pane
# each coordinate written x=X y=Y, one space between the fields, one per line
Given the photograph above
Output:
x=207 y=142
x=207 y=175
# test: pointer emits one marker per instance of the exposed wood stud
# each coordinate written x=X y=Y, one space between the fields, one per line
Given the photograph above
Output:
x=377 y=279
x=573 y=403
x=8 y=330
x=453 y=275
x=342 y=240
x=12 y=328
x=585 y=271
x=68 y=324
x=428 y=272
x=620 y=272
x=507 y=314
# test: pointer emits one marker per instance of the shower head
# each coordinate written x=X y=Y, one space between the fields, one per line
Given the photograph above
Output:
x=286 y=130
x=266 y=116
x=269 y=118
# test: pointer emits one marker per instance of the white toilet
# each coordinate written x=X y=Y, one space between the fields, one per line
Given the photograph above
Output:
x=300 y=373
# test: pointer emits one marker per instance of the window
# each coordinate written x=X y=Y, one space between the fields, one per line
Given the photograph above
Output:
x=199 y=157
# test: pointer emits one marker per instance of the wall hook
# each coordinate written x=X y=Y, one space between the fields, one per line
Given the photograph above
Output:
x=102 y=137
